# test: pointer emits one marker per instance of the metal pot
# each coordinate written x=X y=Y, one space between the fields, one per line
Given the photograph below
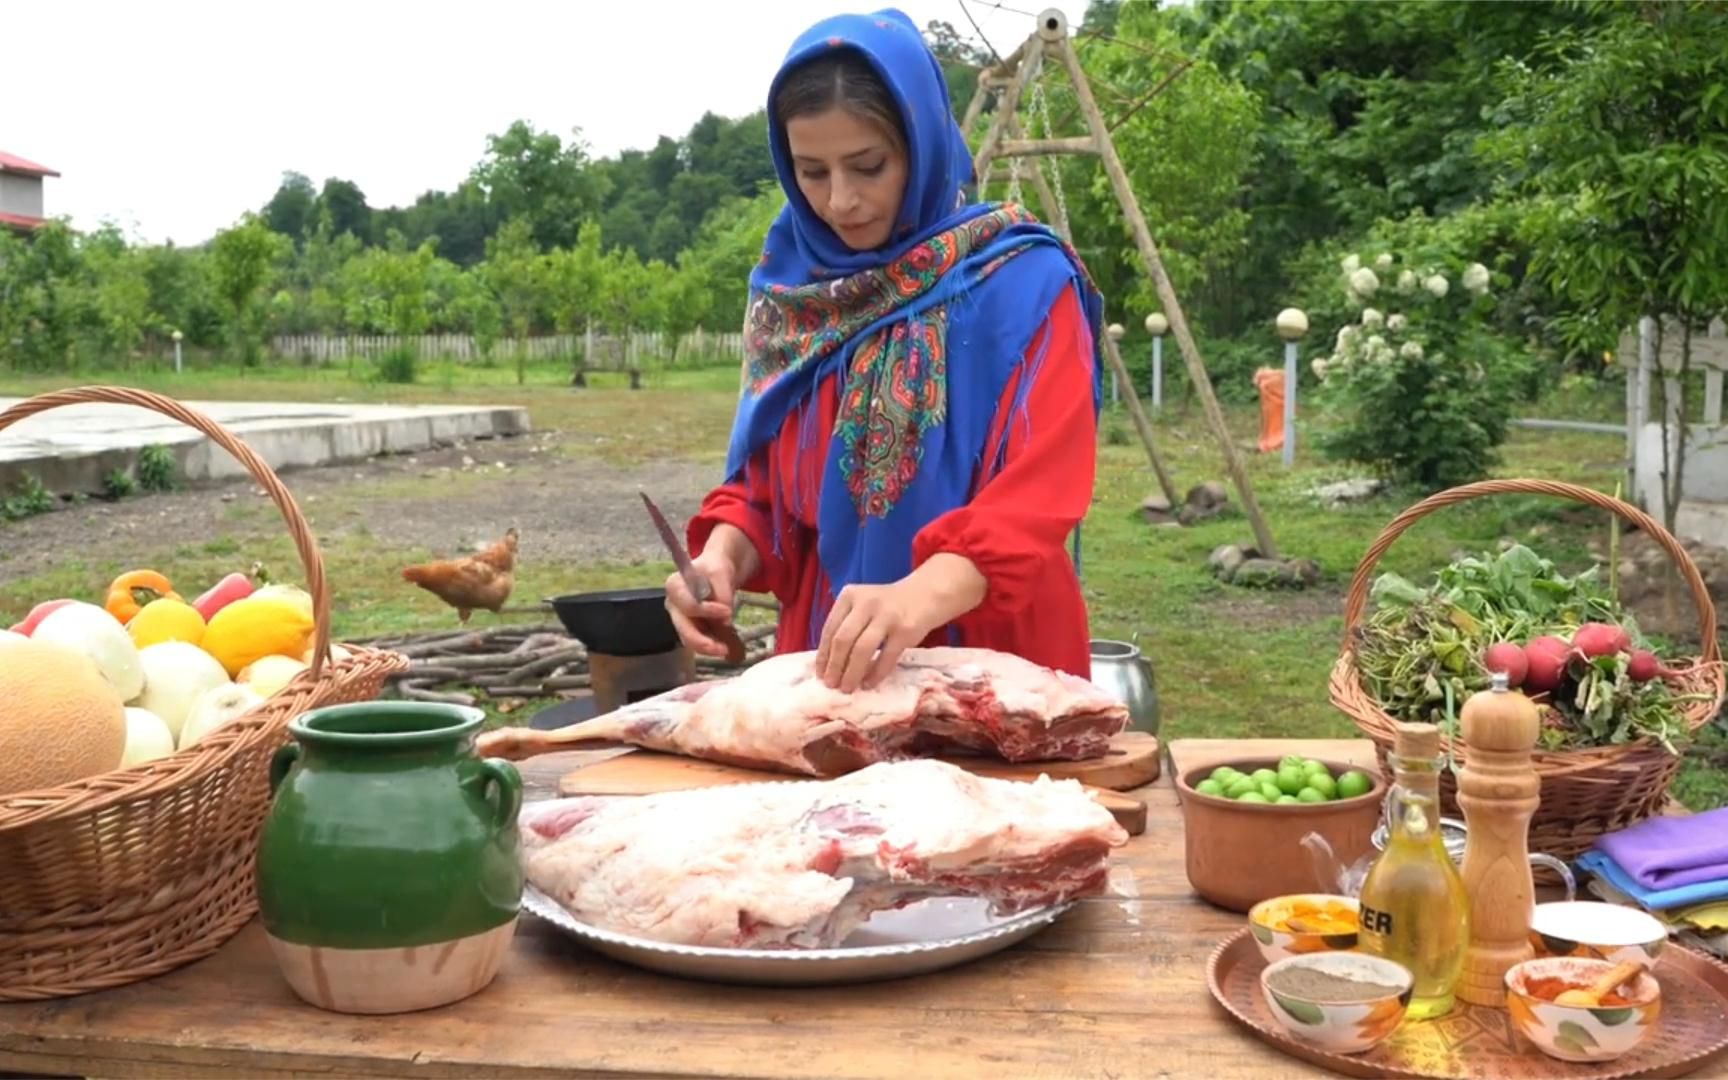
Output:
x=1121 y=670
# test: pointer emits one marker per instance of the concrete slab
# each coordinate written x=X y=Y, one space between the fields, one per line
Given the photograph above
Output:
x=71 y=449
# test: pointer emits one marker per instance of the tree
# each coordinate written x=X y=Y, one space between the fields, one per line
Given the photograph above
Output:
x=292 y=209
x=346 y=204
x=243 y=260
x=538 y=177
x=961 y=61
x=1619 y=143
x=515 y=272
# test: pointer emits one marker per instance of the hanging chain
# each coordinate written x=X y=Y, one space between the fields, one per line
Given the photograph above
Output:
x=1041 y=117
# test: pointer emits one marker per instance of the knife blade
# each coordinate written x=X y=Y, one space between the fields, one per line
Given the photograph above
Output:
x=700 y=587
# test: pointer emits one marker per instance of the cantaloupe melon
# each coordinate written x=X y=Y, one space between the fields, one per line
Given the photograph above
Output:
x=60 y=718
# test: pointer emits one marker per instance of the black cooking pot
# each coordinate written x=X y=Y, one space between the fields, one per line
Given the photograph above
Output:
x=618 y=622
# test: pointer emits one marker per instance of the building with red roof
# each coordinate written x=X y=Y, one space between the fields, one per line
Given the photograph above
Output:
x=21 y=192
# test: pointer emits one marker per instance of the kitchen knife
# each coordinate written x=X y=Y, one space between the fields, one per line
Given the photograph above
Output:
x=698 y=583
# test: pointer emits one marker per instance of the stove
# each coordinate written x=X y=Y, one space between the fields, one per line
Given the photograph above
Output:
x=619 y=680
x=615 y=681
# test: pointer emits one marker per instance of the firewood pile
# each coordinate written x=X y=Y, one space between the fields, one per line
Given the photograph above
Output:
x=518 y=661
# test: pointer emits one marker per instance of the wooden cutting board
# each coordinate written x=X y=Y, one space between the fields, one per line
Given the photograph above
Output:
x=1186 y=754
x=1133 y=761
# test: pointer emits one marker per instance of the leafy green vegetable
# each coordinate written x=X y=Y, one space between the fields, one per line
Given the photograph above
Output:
x=1420 y=650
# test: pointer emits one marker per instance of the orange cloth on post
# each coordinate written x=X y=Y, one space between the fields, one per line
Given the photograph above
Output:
x=1270 y=383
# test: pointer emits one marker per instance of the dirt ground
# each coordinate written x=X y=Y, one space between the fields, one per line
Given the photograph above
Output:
x=445 y=500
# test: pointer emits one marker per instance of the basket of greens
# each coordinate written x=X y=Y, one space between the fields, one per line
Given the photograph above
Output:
x=1615 y=712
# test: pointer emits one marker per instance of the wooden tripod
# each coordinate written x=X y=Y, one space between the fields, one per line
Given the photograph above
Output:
x=1003 y=139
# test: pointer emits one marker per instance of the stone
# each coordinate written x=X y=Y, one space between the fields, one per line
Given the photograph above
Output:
x=1156 y=509
x=1208 y=496
x=1262 y=574
x=1224 y=560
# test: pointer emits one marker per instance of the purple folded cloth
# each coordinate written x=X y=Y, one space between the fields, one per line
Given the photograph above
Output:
x=1667 y=852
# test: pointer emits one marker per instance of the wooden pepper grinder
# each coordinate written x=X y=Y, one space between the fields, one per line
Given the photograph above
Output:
x=1499 y=791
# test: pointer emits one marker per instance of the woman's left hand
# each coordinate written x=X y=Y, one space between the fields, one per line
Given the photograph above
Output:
x=871 y=625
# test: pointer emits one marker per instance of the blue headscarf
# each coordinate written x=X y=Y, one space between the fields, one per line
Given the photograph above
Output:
x=926 y=331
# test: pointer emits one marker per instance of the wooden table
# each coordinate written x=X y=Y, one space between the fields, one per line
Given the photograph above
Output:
x=1116 y=988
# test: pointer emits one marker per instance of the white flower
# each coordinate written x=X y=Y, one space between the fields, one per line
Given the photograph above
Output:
x=1396 y=322
x=1407 y=281
x=1346 y=338
x=1412 y=350
x=1375 y=343
x=1372 y=319
x=1437 y=285
x=1350 y=264
x=1363 y=282
x=1476 y=278
x=1321 y=365
x=1383 y=261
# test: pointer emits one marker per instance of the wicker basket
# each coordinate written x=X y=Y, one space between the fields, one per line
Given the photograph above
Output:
x=1585 y=792
x=139 y=871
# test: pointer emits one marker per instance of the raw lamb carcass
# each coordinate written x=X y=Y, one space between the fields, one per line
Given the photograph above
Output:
x=802 y=864
x=779 y=715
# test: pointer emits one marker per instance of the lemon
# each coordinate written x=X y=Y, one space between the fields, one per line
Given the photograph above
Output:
x=166 y=620
x=256 y=627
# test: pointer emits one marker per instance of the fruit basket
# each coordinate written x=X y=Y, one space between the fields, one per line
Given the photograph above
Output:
x=137 y=871
x=1586 y=790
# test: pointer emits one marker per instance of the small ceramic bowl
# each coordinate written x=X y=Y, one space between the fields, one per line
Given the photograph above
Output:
x=1592 y=930
x=1267 y=921
x=1341 y=1023
x=1576 y=1032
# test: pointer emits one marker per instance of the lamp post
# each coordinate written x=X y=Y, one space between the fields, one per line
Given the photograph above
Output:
x=1157 y=325
x=1291 y=324
x=177 y=335
x=1115 y=331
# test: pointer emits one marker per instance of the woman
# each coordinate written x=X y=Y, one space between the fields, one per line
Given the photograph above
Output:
x=916 y=433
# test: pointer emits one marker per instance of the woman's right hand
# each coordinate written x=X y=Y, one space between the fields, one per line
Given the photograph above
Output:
x=688 y=615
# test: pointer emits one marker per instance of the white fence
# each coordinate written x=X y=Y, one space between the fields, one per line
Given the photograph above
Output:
x=635 y=349
x=1705 y=478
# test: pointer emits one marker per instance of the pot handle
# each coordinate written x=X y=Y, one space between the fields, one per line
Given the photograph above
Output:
x=283 y=760
x=496 y=772
x=1538 y=858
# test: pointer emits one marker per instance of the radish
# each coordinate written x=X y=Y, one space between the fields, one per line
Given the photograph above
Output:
x=1507 y=656
x=1643 y=666
x=1600 y=639
x=1546 y=657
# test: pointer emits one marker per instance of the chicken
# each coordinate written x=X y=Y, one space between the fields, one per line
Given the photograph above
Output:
x=479 y=582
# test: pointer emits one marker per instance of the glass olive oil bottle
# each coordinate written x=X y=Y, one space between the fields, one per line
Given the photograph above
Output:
x=1414 y=907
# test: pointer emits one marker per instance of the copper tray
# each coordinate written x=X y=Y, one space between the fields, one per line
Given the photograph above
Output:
x=1476 y=1043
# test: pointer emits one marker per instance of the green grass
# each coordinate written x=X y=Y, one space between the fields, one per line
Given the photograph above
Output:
x=1229 y=662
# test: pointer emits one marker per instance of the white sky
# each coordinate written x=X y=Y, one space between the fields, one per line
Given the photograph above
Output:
x=173 y=117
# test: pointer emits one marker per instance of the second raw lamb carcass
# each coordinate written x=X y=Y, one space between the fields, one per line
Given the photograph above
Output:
x=780 y=715
x=801 y=864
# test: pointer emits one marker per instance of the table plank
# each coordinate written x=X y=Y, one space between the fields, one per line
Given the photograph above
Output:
x=1115 y=988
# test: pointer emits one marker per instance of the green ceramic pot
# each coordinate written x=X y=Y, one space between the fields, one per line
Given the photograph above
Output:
x=388 y=874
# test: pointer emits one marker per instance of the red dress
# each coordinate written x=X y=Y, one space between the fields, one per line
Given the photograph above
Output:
x=1014 y=530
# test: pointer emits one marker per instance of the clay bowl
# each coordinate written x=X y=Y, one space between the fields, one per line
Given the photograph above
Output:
x=1577 y=1032
x=1266 y=918
x=1239 y=854
x=1351 y=1024
x=1594 y=930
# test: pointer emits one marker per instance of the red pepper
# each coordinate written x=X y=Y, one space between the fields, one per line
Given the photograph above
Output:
x=37 y=614
x=234 y=587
